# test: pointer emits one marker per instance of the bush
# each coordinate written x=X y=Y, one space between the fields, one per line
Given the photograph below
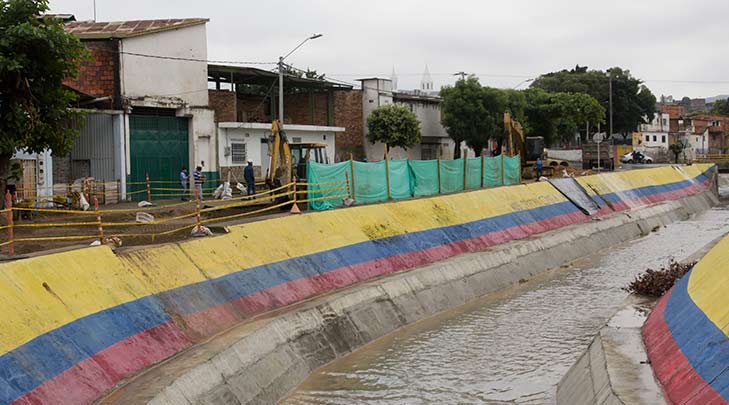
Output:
x=655 y=283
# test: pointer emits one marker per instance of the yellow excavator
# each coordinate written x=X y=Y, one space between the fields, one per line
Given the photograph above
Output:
x=287 y=161
x=529 y=148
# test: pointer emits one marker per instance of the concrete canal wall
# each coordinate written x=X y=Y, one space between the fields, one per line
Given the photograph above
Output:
x=687 y=333
x=78 y=323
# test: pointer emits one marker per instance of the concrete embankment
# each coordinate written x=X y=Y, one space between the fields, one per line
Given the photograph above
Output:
x=614 y=368
x=78 y=323
x=687 y=333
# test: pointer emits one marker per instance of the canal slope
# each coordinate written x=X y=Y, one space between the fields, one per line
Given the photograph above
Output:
x=513 y=347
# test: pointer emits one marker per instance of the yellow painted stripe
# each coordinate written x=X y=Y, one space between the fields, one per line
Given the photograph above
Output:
x=87 y=281
x=709 y=284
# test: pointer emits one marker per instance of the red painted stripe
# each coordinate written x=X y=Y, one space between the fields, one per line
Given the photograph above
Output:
x=681 y=383
x=89 y=379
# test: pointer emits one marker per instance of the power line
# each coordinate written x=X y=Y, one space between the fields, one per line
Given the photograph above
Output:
x=178 y=58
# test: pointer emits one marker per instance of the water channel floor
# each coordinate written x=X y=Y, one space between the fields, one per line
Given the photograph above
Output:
x=509 y=347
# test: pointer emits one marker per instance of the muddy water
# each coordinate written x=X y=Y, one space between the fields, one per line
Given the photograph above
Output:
x=512 y=347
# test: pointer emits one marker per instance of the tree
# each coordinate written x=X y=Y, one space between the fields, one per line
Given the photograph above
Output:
x=676 y=149
x=472 y=113
x=393 y=125
x=721 y=107
x=632 y=101
x=36 y=55
x=558 y=116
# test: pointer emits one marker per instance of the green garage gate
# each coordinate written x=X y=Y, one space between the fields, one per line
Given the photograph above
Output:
x=158 y=145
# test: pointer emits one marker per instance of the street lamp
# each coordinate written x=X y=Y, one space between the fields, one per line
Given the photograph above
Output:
x=280 y=78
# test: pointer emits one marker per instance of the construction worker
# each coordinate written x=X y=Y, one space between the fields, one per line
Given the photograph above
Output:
x=539 y=166
x=199 y=180
x=250 y=178
x=185 y=182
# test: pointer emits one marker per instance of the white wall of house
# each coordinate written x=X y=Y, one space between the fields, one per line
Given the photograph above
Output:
x=375 y=93
x=660 y=123
x=186 y=80
x=655 y=139
x=255 y=135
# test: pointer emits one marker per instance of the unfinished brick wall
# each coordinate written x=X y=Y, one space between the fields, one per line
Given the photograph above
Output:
x=97 y=76
x=252 y=109
x=307 y=108
x=348 y=114
x=62 y=169
x=225 y=104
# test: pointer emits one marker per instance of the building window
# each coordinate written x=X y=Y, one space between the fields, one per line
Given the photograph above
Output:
x=655 y=138
x=715 y=123
x=663 y=138
x=238 y=153
x=647 y=138
x=429 y=151
x=665 y=122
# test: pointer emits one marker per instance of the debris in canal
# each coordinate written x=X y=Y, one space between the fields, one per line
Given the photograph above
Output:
x=655 y=283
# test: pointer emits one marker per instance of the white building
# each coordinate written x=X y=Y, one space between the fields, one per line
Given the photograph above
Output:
x=154 y=74
x=435 y=142
x=655 y=133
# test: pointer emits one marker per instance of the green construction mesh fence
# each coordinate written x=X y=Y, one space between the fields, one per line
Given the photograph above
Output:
x=473 y=173
x=425 y=177
x=322 y=179
x=512 y=170
x=492 y=172
x=408 y=178
x=451 y=176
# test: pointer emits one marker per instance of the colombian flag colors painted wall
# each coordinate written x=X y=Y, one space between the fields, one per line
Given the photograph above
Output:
x=687 y=334
x=74 y=324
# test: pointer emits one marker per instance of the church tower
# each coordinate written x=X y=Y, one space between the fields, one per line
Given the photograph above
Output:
x=426 y=83
x=393 y=78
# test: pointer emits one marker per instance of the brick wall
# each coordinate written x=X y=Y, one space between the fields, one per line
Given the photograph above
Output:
x=348 y=114
x=96 y=75
x=252 y=109
x=62 y=169
x=306 y=108
x=224 y=103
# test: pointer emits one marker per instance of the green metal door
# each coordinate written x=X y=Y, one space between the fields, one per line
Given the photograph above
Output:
x=158 y=145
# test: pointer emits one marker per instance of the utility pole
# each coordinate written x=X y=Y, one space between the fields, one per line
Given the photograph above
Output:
x=610 y=86
x=280 y=91
x=461 y=73
x=94 y=10
x=280 y=78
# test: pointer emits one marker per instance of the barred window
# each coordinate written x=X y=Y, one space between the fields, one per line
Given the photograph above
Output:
x=238 y=153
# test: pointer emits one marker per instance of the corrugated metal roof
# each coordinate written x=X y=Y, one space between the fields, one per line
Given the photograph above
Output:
x=127 y=29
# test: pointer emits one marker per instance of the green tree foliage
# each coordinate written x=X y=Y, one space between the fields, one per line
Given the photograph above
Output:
x=631 y=99
x=393 y=125
x=472 y=113
x=35 y=57
x=558 y=116
x=721 y=107
x=676 y=149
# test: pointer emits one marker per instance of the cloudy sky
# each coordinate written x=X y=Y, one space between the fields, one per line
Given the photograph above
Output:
x=678 y=47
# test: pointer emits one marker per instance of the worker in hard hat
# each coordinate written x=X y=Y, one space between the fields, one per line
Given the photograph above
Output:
x=249 y=178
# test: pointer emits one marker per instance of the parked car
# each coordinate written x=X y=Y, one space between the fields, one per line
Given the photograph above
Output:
x=636 y=156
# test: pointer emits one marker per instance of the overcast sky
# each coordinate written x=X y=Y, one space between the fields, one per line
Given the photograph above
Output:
x=677 y=47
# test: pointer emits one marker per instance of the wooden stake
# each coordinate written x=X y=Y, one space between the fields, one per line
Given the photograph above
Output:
x=439 y=176
x=98 y=220
x=465 y=169
x=502 y=167
x=387 y=173
x=9 y=207
x=482 y=168
x=354 y=185
x=197 y=210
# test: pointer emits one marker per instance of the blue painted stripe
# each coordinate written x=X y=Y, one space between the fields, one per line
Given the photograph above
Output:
x=705 y=346
x=48 y=355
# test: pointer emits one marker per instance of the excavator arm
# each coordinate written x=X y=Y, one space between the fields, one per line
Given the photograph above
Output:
x=279 y=154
